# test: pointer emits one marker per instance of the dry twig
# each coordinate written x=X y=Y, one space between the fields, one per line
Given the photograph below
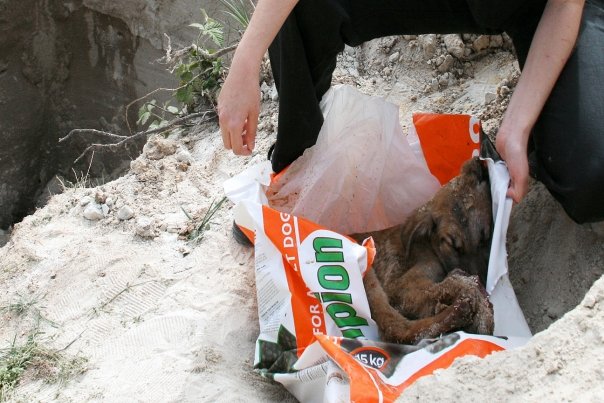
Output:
x=125 y=139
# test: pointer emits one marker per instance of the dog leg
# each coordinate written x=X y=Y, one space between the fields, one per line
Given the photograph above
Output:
x=416 y=294
x=396 y=328
x=459 y=284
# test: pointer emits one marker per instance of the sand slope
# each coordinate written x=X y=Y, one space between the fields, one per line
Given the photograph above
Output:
x=163 y=319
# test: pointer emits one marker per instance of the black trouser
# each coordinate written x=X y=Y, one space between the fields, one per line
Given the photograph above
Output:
x=568 y=139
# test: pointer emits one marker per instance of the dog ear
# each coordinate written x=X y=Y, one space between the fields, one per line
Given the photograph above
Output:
x=422 y=227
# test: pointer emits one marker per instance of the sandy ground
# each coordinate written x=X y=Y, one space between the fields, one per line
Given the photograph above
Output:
x=162 y=318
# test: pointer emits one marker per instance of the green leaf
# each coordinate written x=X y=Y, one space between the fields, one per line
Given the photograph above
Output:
x=186 y=76
x=238 y=11
x=185 y=95
x=144 y=117
x=214 y=30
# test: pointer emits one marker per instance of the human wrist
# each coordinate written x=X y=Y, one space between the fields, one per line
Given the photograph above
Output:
x=245 y=64
x=515 y=130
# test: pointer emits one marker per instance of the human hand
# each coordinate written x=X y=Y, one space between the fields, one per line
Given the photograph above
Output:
x=238 y=110
x=513 y=151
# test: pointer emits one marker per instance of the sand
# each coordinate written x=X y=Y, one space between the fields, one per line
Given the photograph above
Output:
x=160 y=318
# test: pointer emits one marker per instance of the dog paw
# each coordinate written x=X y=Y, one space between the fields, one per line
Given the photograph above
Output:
x=461 y=286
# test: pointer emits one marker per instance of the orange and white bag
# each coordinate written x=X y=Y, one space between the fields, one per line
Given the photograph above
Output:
x=317 y=337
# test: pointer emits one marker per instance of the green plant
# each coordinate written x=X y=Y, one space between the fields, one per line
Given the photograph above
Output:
x=44 y=363
x=157 y=115
x=20 y=306
x=199 y=68
x=239 y=11
x=201 y=72
x=197 y=233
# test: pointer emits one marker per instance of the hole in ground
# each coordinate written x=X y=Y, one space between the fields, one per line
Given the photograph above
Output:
x=64 y=66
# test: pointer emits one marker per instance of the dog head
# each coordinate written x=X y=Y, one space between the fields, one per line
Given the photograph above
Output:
x=457 y=224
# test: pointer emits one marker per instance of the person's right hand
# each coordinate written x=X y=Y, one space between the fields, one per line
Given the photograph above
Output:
x=239 y=100
x=238 y=110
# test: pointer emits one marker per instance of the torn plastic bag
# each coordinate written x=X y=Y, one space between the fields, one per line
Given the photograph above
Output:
x=345 y=181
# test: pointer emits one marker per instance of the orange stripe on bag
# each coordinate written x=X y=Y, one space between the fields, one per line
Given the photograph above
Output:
x=363 y=385
x=366 y=385
x=281 y=229
x=248 y=233
x=447 y=142
x=369 y=244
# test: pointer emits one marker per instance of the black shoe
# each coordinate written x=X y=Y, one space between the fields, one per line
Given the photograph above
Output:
x=240 y=237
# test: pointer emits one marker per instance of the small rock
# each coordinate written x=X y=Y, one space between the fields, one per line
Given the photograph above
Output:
x=454 y=45
x=434 y=84
x=100 y=197
x=446 y=64
x=274 y=94
x=393 y=58
x=184 y=156
x=93 y=212
x=85 y=200
x=496 y=41
x=428 y=44
x=105 y=209
x=481 y=43
x=387 y=71
x=53 y=276
x=503 y=90
x=109 y=202
x=125 y=213
x=158 y=147
x=350 y=50
x=264 y=91
x=443 y=80
x=507 y=41
x=489 y=97
x=184 y=250
x=144 y=227
x=590 y=301
x=409 y=37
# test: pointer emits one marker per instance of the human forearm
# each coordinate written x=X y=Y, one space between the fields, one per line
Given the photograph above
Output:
x=264 y=25
x=239 y=99
x=551 y=46
x=550 y=49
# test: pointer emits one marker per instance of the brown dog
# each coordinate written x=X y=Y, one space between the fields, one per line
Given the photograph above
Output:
x=425 y=280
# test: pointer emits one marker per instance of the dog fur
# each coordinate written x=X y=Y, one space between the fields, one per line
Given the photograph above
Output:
x=426 y=278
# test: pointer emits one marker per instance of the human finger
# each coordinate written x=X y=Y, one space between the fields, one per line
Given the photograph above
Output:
x=224 y=128
x=250 y=131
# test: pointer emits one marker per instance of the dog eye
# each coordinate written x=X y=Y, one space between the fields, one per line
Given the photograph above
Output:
x=453 y=242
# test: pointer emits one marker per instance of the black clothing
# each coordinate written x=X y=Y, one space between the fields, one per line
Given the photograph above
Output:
x=568 y=139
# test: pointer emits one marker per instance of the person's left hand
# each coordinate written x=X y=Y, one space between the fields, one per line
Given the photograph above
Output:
x=513 y=152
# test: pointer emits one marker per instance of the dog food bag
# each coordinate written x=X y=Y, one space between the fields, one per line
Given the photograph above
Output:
x=317 y=337
x=316 y=333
